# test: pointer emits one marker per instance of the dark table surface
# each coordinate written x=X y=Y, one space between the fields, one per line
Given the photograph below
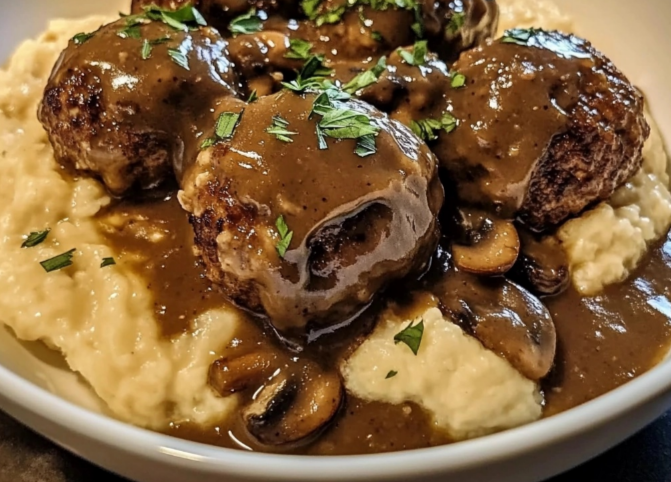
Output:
x=27 y=457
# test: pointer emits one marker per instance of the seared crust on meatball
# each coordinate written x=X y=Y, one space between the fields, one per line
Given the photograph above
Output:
x=130 y=117
x=356 y=223
x=547 y=127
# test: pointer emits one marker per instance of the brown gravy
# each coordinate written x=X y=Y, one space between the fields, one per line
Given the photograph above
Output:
x=603 y=341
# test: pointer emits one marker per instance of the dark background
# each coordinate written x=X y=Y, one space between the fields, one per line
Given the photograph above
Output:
x=27 y=457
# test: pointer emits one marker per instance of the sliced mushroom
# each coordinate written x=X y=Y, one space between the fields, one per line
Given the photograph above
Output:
x=293 y=409
x=492 y=245
x=505 y=317
x=542 y=266
x=232 y=375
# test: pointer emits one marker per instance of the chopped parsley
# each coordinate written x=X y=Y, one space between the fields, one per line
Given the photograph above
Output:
x=331 y=16
x=426 y=129
x=364 y=79
x=107 y=262
x=248 y=23
x=285 y=236
x=179 y=58
x=223 y=129
x=418 y=55
x=279 y=129
x=148 y=45
x=310 y=76
x=35 y=238
x=365 y=146
x=185 y=19
x=298 y=49
x=458 y=80
x=456 y=23
x=377 y=36
x=520 y=36
x=58 y=262
x=391 y=374
x=252 y=97
x=311 y=7
x=82 y=37
x=411 y=335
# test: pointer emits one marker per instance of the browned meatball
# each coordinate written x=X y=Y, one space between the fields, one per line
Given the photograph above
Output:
x=131 y=110
x=547 y=126
x=356 y=223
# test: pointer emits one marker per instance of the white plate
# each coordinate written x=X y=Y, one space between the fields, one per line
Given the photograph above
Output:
x=37 y=389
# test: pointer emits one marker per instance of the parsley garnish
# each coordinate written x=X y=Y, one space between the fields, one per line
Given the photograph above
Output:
x=426 y=128
x=298 y=49
x=179 y=58
x=35 y=238
x=377 y=36
x=347 y=124
x=148 y=45
x=250 y=22
x=331 y=16
x=310 y=76
x=364 y=79
x=58 y=262
x=252 y=97
x=456 y=22
x=411 y=336
x=107 y=262
x=519 y=36
x=310 y=7
x=391 y=374
x=223 y=129
x=285 y=236
x=185 y=19
x=279 y=129
x=458 y=80
x=365 y=146
x=418 y=55
x=82 y=37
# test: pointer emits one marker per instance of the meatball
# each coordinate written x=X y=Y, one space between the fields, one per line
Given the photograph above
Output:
x=294 y=224
x=547 y=126
x=130 y=110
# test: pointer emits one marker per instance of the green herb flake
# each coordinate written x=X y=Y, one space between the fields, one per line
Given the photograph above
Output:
x=184 y=19
x=331 y=16
x=285 y=236
x=279 y=129
x=519 y=36
x=130 y=32
x=365 y=146
x=179 y=58
x=298 y=49
x=311 y=8
x=411 y=335
x=418 y=55
x=311 y=76
x=427 y=129
x=391 y=374
x=458 y=80
x=82 y=38
x=148 y=46
x=224 y=128
x=377 y=36
x=107 y=262
x=252 y=97
x=347 y=124
x=58 y=262
x=456 y=23
x=35 y=238
x=448 y=123
x=246 y=24
x=369 y=77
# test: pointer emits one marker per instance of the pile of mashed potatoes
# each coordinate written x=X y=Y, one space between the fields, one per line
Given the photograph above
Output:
x=101 y=319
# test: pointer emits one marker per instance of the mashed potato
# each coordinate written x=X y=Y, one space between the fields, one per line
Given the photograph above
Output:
x=101 y=319
x=453 y=377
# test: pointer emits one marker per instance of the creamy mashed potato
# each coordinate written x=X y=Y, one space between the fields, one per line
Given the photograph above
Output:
x=101 y=319
x=469 y=390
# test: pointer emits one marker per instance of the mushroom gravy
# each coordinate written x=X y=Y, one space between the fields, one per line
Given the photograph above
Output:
x=602 y=341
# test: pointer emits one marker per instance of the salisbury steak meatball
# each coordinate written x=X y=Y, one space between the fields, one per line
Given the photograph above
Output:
x=129 y=110
x=547 y=126
x=296 y=225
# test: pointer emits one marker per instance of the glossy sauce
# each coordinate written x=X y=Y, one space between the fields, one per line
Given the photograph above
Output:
x=603 y=341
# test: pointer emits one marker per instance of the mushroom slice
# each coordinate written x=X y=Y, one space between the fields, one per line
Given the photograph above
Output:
x=291 y=410
x=232 y=375
x=542 y=266
x=494 y=251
